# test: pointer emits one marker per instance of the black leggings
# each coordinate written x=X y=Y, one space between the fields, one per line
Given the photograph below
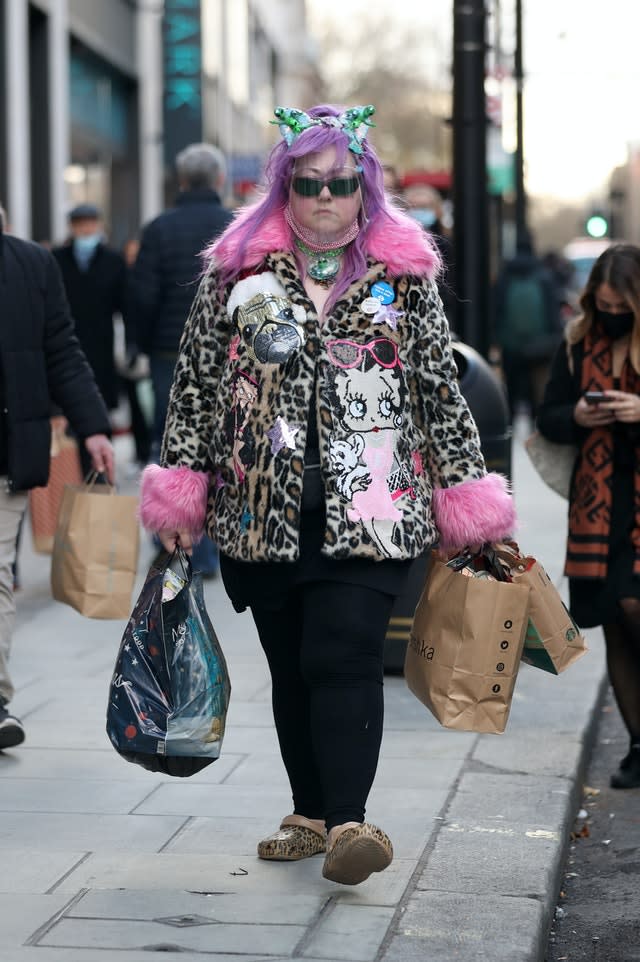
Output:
x=623 y=662
x=325 y=653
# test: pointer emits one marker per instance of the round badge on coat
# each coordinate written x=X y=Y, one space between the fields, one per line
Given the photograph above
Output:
x=383 y=292
x=370 y=305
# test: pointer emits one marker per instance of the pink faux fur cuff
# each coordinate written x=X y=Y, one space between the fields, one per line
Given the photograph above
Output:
x=173 y=498
x=474 y=512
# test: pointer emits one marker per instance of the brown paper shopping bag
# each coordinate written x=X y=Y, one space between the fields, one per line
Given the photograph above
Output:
x=44 y=503
x=95 y=551
x=465 y=647
x=553 y=640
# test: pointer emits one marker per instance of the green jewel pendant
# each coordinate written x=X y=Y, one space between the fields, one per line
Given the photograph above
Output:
x=323 y=268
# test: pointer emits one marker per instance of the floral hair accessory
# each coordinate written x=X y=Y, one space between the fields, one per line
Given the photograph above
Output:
x=355 y=122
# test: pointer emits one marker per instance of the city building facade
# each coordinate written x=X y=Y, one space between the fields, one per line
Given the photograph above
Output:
x=97 y=97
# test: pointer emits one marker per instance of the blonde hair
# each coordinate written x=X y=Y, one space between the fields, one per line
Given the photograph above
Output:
x=619 y=267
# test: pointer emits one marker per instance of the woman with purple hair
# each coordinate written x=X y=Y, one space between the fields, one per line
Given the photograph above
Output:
x=317 y=432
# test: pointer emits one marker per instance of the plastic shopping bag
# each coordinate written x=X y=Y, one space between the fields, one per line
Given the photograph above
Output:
x=170 y=689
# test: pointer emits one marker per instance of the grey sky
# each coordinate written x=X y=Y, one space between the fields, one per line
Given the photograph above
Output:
x=583 y=72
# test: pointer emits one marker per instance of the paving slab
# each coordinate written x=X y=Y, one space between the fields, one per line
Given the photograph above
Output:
x=491 y=799
x=421 y=774
x=124 y=935
x=427 y=741
x=351 y=933
x=246 y=876
x=20 y=917
x=34 y=871
x=78 y=764
x=229 y=907
x=221 y=835
x=99 y=833
x=73 y=954
x=72 y=796
x=523 y=755
x=469 y=858
x=251 y=739
x=188 y=798
x=452 y=927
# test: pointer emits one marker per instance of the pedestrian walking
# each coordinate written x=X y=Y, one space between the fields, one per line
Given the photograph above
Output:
x=94 y=277
x=165 y=277
x=133 y=370
x=592 y=400
x=168 y=266
x=424 y=203
x=528 y=327
x=317 y=429
x=42 y=364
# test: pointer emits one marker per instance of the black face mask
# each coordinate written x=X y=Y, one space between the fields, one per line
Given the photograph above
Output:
x=616 y=325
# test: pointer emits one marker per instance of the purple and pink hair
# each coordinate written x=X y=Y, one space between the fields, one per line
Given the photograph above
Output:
x=376 y=205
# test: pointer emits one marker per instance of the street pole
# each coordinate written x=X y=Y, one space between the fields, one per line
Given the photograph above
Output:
x=522 y=233
x=471 y=226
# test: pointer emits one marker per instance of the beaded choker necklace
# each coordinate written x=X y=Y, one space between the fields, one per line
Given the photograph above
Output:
x=323 y=260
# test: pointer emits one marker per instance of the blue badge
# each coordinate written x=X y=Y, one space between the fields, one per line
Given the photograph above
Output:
x=383 y=291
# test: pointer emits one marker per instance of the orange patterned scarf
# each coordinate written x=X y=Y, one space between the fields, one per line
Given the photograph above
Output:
x=590 y=510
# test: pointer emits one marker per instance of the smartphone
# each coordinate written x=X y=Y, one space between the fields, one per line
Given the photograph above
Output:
x=594 y=397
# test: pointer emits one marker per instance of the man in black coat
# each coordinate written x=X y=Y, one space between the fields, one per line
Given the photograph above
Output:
x=164 y=281
x=41 y=365
x=166 y=272
x=95 y=278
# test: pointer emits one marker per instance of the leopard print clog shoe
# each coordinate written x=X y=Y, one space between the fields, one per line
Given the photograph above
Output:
x=357 y=853
x=298 y=837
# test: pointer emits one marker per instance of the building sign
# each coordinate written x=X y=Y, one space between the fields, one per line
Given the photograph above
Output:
x=182 y=54
x=99 y=102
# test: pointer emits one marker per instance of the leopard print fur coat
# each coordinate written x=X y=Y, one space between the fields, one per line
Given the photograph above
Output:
x=400 y=454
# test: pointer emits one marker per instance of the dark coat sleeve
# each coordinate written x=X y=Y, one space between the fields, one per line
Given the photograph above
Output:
x=555 y=415
x=71 y=382
x=145 y=287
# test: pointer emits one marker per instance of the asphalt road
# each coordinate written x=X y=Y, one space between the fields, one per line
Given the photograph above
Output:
x=598 y=919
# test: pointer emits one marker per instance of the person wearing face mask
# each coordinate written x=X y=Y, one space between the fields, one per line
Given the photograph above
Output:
x=95 y=278
x=424 y=204
x=592 y=400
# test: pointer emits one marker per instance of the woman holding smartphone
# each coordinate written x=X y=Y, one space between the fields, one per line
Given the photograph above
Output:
x=593 y=400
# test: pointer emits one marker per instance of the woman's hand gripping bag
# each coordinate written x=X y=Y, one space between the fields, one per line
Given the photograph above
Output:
x=170 y=690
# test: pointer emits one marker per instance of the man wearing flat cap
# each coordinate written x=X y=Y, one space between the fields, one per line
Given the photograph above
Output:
x=95 y=278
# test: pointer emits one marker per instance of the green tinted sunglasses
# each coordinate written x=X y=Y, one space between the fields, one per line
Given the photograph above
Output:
x=313 y=186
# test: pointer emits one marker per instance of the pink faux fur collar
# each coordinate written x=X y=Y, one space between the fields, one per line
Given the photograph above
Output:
x=398 y=242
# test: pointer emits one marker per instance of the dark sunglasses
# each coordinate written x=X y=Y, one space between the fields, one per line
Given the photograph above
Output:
x=313 y=186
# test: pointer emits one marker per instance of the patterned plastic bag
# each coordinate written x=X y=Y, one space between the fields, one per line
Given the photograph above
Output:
x=170 y=690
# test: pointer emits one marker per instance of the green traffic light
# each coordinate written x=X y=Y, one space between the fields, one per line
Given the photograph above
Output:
x=597 y=226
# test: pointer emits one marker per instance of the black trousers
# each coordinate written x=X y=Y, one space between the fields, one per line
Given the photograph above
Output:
x=325 y=653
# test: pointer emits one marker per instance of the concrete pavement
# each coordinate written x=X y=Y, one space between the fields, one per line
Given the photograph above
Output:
x=102 y=860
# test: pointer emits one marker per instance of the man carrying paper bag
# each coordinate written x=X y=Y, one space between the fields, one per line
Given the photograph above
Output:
x=41 y=365
x=96 y=574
